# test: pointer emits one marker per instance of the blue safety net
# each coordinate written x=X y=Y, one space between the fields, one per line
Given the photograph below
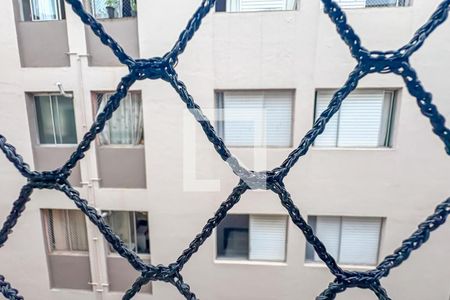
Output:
x=367 y=62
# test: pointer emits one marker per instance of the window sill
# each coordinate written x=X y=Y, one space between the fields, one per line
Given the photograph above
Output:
x=113 y=19
x=42 y=21
x=69 y=253
x=122 y=146
x=249 y=262
x=372 y=7
x=261 y=147
x=258 y=11
x=388 y=149
x=142 y=256
x=56 y=145
x=65 y=290
x=346 y=267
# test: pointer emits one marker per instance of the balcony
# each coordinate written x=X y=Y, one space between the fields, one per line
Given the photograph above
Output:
x=119 y=18
x=40 y=24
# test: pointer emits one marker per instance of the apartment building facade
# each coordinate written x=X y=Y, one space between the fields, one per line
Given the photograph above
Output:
x=263 y=71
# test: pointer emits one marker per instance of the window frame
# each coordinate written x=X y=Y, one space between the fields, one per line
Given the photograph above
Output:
x=35 y=107
x=111 y=252
x=224 y=6
x=48 y=227
x=220 y=122
x=233 y=260
x=59 y=10
x=407 y=3
x=391 y=96
x=310 y=251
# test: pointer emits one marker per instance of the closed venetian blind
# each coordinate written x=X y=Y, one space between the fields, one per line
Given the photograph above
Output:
x=328 y=231
x=268 y=238
x=260 y=5
x=351 y=3
x=350 y=240
x=361 y=122
x=360 y=241
x=261 y=118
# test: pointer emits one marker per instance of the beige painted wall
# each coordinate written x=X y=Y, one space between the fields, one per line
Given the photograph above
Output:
x=124 y=31
x=295 y=50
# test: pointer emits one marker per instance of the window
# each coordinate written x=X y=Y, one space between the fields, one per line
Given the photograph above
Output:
x=255 y=5
x=67 y=249
x=371 y=3
x=132 y=228
x=42 y=10
x=126 y=127
x=350 y=240
x=55 y=119
x=252 y=237
x=113 y=8
x=66 y=230
x=364 y=120
x=256 y=118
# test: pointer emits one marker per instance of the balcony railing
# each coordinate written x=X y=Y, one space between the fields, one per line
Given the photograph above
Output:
x=372 y=3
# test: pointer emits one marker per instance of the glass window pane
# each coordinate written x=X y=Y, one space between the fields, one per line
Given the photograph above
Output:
x=44 y=10
x=64 y=115
x=233 y=237
x=57 y=230
x=142 y=233
x=99 y=8
x=120 y=224
x=45 y=120
x=77 y=231
x=126 y=126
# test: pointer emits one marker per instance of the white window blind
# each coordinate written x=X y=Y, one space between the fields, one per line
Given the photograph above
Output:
x=267 y=237
x=359 y=241
x=363 y=121
x=257 y=118
x=350 y=240
x=371 y=3
x=328 y=231
x=259 y=5
x=351 y=3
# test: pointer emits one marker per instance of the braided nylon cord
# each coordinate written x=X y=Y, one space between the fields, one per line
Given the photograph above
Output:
x=367 y=62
